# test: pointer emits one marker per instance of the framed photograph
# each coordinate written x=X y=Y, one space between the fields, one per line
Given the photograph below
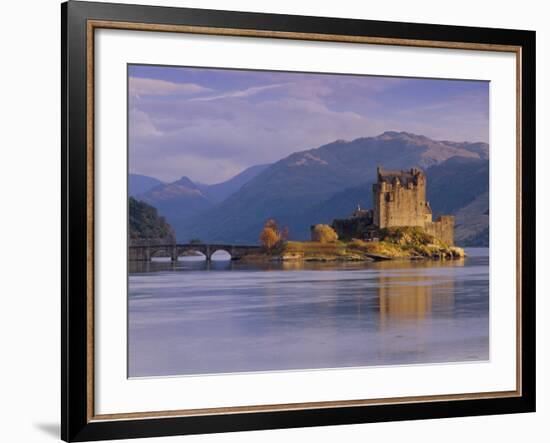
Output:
x=277 y=221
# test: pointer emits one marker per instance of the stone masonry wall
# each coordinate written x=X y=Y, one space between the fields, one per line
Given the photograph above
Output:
x=398 y=205
x=349 y=228
x=442 y=228
x=399 y=199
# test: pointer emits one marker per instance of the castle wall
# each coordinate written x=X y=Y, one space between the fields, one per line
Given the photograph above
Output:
x=400 y=205
x=443 y=228
x=399 y=199
x=349 y=228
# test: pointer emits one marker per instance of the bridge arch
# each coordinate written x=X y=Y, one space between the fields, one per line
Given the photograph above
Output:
x=159 y=253
x=190 y=251
x=221 y=254
x=149 y=252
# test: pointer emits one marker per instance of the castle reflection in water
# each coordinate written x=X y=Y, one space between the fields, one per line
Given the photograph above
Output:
x=192 y=317
x=402 y=295
x=414 y=297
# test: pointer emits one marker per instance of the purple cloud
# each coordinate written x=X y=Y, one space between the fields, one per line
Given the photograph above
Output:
x=210 y=124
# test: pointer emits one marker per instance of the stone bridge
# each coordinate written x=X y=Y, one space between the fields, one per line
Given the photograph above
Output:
x=147 y=252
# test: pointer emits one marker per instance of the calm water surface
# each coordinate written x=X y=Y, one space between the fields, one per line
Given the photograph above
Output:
x=193 y=318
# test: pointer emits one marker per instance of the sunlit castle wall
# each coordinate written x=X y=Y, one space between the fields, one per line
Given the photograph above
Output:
x=443 y=228
x=400 y=199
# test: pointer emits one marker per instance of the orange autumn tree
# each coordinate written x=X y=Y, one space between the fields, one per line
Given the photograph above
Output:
x=271 y=235
x=268 y=238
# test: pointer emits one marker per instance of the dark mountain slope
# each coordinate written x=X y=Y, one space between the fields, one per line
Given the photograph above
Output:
x=296 y=189
x=220 y=191
x=455 y=183
x=144 y=223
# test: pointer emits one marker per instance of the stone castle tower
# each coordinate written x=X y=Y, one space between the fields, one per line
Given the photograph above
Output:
x=400 y=200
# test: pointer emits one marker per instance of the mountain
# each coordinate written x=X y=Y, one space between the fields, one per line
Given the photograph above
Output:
x=482 y=149
x=139 y=184
x=220 y=191
x=145 y=224
x=458 y=186
x=455 y=183
x=338 y=205
x=472 y=222
x=298 y=189
x=183 y=198
x=176 y=201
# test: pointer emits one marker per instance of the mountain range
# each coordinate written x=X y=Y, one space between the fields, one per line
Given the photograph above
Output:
x=138 y=184
x=183 y=198
x=317 y=185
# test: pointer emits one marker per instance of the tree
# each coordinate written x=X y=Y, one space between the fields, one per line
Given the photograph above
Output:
x=324 y=234
x=271 y=223
x=269 y=237
x=144 y=223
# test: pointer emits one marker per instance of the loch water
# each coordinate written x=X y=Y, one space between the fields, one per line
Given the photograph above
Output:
x=193 y=317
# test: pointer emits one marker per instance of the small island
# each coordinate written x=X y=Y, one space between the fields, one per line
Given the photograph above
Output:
x=406 y=243
x=399 y=226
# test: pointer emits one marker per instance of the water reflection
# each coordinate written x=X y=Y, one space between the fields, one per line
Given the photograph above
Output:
x=193 y=316
x=184 y=263
x=410 y=296
x=223 y=262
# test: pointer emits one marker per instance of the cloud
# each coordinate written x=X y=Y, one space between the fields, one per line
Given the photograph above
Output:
x=141 y=125
x=204 y=133
x=211 y=148
x=138 y=86
x=172 y=167
x=239 y=94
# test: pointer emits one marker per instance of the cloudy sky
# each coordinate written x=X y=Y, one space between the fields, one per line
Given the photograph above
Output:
x=210 y=124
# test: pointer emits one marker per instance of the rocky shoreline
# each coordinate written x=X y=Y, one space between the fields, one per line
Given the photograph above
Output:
x=396 y=244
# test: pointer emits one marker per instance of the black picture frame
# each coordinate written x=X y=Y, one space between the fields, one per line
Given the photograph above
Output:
x=76 y=422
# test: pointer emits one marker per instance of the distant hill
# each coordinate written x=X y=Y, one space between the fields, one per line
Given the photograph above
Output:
x=455 y=183
x=341 y=204
x=480 y=148
x=176 y=201
x=145 y=224
x=472 y=222
x=460 y=186
x=179 y=200
x=317 y=185
x=139 y=184
x=220 y=191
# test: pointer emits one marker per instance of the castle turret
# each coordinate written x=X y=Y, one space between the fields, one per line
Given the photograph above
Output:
x=400 y=198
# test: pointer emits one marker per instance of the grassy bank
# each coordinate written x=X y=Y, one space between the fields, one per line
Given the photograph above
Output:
x=394 y=243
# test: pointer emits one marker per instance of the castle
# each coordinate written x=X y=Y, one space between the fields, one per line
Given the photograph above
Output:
x=399 y=199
